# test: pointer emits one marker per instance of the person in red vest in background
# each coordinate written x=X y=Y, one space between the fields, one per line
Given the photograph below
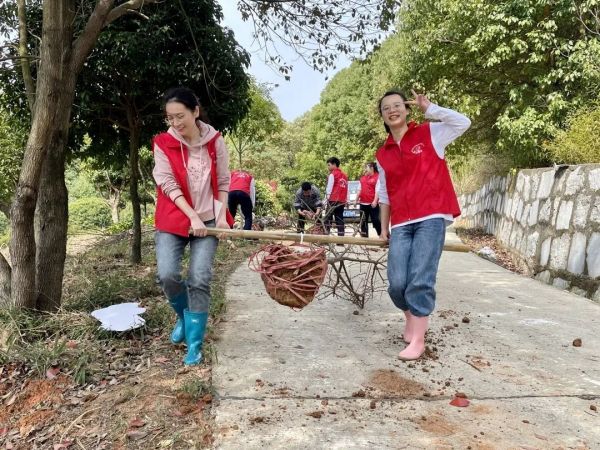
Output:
x=369 y=200
x=417 y=199
x=191 y=170
x=336 y=194
x=242 y=192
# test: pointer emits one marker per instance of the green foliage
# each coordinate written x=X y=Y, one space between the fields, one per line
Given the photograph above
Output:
x=13 y=136
x=138 y=58
x=79 y=183
x=578 y=144
x=338 y=125
x=516 y=67
x=89 y=213
x=266 y=202
x=4 y=223
x=252 y=136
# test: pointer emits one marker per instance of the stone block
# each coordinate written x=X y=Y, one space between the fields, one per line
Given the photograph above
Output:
x=582 y=207
x=524 y=218
x=560 y=283
x=559 y=252
x=535 y=184
x=519 y=212
x=594 y=179
x=544 y=277
x=555 y=204
x=526 y=188
x=578 y=291
x=545 y=252
x=576 y=263
x=564 y=215
x=545 y=211
x=574 y=181
x=533 y=213
x=546 y=183
x=595 y=213
x=520 y=181
x=593 y=255
x=532 y=243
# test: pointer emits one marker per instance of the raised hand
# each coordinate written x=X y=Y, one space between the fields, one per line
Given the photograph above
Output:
x=419 y=100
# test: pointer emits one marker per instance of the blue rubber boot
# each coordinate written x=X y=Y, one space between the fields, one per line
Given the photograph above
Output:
x=179 y=303
x=195 y=326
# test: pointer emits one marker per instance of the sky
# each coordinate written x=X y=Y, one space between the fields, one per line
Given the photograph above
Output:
x=294 y=97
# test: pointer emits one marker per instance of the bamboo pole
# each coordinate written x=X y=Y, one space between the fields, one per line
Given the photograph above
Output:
x=314 y=238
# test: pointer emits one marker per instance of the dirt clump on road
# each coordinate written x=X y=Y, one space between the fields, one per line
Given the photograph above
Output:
x=390 y=382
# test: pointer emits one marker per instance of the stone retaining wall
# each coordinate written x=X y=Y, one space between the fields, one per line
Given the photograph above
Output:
x=549 y=219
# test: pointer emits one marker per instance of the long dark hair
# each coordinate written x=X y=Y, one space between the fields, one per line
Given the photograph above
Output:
x=387 y=94
x=373 y=166
x=187 y=98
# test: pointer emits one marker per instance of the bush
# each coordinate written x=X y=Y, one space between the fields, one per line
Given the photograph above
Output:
x=577 y=143
x=4 y=223
x=89 y=213
x=266 y=203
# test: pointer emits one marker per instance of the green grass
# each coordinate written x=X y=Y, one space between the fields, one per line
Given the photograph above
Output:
x=196 y=388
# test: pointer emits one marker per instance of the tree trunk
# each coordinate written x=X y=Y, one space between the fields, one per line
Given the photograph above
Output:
x=49 y=128
x=114 y=198
x=51 y=230
x=4 y=282
x=134 y=145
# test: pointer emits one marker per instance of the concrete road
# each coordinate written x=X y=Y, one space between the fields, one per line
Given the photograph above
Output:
x=327 y=378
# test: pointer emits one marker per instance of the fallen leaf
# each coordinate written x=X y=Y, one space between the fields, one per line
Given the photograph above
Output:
x=136 y=435
x=64 y=444
x=461 y=402
x=11 y=400
x=52 y=372
x=136 y=423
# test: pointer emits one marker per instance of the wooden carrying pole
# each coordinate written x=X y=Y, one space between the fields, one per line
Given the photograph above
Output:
x=314 y=238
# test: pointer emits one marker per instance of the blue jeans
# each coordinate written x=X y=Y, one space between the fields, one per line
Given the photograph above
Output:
x=169 y=253
x=413 y=258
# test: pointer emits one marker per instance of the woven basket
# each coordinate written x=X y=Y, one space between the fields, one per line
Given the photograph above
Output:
x=292 y=275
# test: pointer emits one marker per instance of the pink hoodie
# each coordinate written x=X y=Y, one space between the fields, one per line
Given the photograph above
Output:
x=198 y=170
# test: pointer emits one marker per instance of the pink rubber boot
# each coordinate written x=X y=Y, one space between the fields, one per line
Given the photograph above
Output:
x=415 y=349
x=408 y=327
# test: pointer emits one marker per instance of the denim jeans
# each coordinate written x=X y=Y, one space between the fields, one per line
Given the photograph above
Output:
x=413 y=258
x=169 y=253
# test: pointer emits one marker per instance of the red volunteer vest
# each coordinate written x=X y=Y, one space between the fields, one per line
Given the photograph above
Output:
x=417 y=180
x=240 y=181
x=168 y=217
x=339 y=193
x=367 y=188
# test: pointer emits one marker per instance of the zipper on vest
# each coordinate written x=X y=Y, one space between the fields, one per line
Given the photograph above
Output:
x=402 y=164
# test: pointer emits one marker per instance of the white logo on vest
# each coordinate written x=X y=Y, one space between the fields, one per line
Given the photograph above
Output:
x=417 y=149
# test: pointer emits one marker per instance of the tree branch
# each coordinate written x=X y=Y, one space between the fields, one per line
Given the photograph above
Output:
x=88 y=38
x=127 y=7
x=23 y=57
